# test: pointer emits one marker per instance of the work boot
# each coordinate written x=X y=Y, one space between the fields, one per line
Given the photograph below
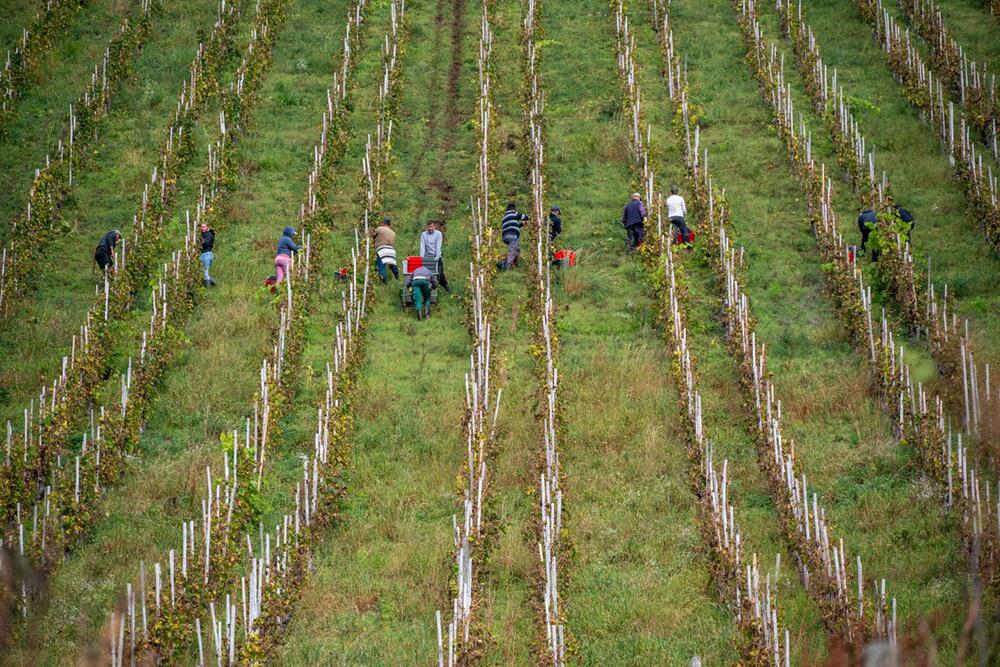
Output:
x=211 y=282
x=427 y=311
x=208 y=282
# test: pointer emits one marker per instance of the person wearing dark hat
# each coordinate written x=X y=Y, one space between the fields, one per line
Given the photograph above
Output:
x=384 y=240
x=286 y=247
x=510 y=234
x=104 y=254
x=555 y=223
x=633 y=218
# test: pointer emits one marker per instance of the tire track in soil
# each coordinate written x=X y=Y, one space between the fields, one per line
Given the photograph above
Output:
x=437 y=140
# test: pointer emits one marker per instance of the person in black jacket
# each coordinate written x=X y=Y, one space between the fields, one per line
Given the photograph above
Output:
x=555 y=223
x=906 y=217
x=207 y=255
x=866 y=218
x=105 y=252
x=633 y=218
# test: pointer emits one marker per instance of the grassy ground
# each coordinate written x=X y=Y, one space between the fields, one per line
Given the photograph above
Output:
x=634 y=585
x=210 y=387
x=508 y=601
x=18 y=16
x=844 y=443
x=972 y=26
x=106 y=197
x=43 y=110
x=910 y=153
x=381 y=576
x=637 y=589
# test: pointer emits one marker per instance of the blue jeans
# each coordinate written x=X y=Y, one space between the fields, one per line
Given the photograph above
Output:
x=206 y=263
x=380 y=265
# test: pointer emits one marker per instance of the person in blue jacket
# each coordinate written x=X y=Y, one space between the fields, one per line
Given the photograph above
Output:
x=286 y=247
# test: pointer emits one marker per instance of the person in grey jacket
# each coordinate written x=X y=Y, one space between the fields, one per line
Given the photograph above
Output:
x=432 y=250
x=286 y=247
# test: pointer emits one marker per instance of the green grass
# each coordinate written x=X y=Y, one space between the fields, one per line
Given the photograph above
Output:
x=910 y=153
x=634 y=581
x=636 y=588
x=974 y=28
x=209 y=388
x=843 y=441
x=17 y=15
x=106 y=197
x=381 y=576
x=43 y=110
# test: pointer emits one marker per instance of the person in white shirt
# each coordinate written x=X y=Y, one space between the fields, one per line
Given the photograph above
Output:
x=431 y=249
x=677 y=212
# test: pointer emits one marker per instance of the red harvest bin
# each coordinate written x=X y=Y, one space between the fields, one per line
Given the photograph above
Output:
x=565 y=257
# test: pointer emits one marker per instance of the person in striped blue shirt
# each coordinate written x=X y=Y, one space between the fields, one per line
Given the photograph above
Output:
x=510 y=234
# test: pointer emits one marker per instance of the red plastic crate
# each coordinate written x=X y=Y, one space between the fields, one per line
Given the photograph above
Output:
x=565 y=257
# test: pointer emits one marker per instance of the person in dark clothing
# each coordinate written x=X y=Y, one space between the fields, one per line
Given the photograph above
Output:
x=555 y=223
x=286 y=247
x=633 y=218
x=105 y=252
x=207 y=255
x=867 y=217
x=906 y=217
x=510 y=234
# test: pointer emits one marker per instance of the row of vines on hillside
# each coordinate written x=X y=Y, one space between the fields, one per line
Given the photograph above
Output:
x=47 y=27
x=49 y=422
x=550 y=611
x=914 y=298
x=928 y=93
x=968 y=82
x=263 y=581
x=66 y=505
x=738 y=581
x=823 y=563
x=41 y=221
x=919 y=419
x=465 y=640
